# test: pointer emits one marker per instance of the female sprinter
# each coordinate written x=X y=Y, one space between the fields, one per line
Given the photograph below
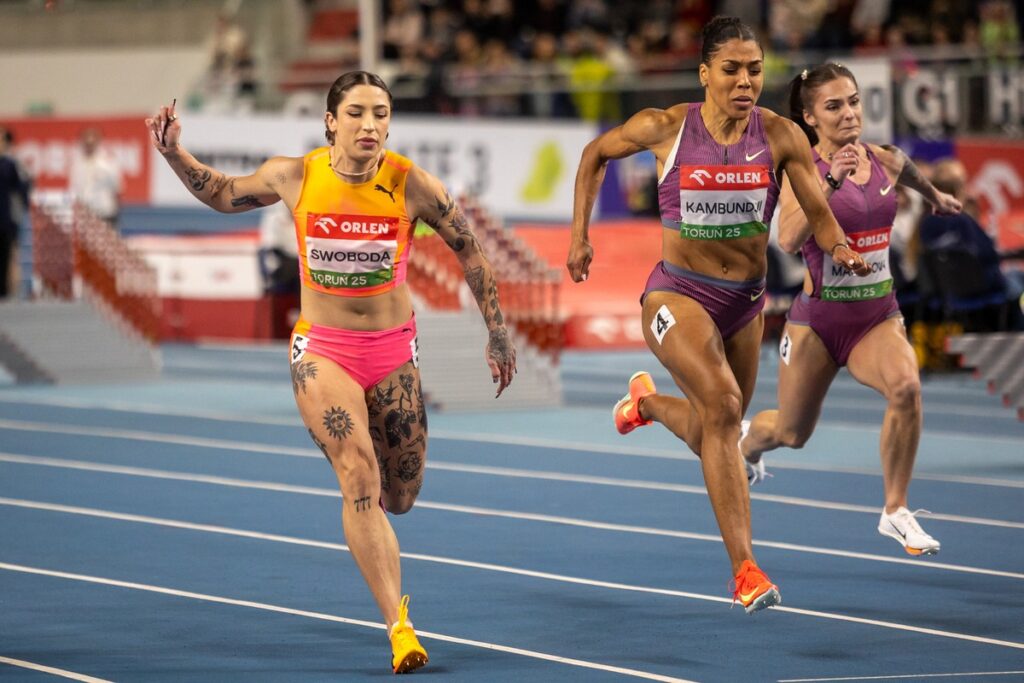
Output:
x=839 y=321
x=354 y=365
x=719 y=163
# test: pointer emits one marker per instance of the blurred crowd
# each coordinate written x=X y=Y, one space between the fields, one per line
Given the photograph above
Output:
x=568 y=49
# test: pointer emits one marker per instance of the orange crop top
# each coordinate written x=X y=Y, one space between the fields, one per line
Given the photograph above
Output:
x=353 y=239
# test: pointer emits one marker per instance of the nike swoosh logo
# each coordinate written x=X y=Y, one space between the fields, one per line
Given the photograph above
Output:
x=751 y=157
x=885 y=190
x=747 y=597
x=755 y=297
x=898 y=532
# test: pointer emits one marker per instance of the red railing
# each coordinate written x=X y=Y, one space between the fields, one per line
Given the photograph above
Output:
x=53 y=254
x=77 y=246
x=527 y=288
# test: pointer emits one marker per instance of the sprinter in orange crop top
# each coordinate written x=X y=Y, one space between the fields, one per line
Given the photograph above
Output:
x=355 y=371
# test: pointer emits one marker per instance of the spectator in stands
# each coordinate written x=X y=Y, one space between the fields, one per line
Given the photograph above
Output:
x=591 y=74
x=404 y=27
x=840 y=320
x=549 y=71
x=14 y=189
x=546 y=16
x=702 y=307
x=95 y=177
x=229 y=64
x=1000 y=35
x=353 y=353
x=466 y=73
x=868 y=15
x=962 y=232
x=501 y=71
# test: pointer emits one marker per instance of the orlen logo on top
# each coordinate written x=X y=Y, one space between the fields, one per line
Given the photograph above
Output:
x=728 y=177
x=325 y=223
x=877 y=241
x=699 y=175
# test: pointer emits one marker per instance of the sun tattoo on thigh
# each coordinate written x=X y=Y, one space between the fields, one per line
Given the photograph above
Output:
x=301 y=371
x=338 y=423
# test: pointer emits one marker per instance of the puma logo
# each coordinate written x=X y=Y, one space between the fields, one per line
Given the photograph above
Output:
x=754 y=296
x=885 y=190
x=390 y=193
x=751 y=157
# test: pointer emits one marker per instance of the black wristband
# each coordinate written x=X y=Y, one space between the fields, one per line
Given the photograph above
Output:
x=832 y=182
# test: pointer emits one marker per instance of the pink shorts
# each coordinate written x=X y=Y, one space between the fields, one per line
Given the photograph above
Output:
x=367 y=356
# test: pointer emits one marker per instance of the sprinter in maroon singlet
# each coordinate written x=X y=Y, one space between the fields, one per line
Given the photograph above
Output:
x=719 y=164
x=840 y=320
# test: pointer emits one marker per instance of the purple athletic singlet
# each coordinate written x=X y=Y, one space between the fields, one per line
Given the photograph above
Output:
x=844 y=307
x=713 y=192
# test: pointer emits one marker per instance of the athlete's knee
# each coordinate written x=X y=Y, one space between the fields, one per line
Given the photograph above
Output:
x=398 y=505
x=905 y=393
x=724 y=412
x=356 y=466
x=794 y=437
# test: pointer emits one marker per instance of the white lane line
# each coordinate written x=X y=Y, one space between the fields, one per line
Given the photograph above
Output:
x=156 y=409
x=229 y=444
x=506 y=514
x=330 y=617
x=901 y=676
x=562 y=578
x=700 y=490
x=493 y=471
x=51 y=670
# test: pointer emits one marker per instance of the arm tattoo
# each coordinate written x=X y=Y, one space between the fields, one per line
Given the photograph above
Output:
x=910 y=175
x=475 y=280
x=362 y=504
x=247 y=200
x=445 y=205
x=197 y=178
x=338 y=423
x=461 y=235
x=219 y=183
x=492 y=311
x=500 y=346
x=302 y=371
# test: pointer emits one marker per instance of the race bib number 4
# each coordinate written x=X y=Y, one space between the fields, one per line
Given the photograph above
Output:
x=350 y=251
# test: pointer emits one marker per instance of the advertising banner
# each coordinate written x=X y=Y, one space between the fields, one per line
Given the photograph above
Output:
x=995 y=168
x=47 y=146
x=518 y=169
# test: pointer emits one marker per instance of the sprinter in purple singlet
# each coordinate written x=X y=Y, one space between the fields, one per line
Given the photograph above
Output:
x=719 y=163
x=840 y=320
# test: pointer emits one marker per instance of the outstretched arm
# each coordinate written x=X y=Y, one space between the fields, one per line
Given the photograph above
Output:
x=227 y=194
x=428 y=200
x=908 y=174
x=642 y=131
x=790 y=144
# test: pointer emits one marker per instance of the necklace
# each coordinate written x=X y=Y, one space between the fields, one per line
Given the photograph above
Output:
x=371 y=169
x=831 y=154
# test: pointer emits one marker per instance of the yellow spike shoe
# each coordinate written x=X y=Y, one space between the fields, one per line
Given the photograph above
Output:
x=406 y=652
